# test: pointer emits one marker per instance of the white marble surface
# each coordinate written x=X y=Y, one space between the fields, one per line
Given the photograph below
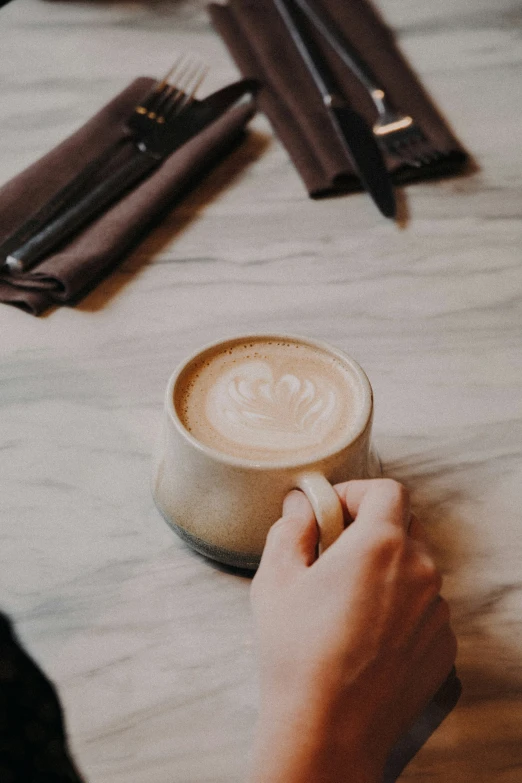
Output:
x=151 y=646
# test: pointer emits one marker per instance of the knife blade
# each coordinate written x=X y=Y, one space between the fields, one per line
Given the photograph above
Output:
x=160 y=143
x=355 y=135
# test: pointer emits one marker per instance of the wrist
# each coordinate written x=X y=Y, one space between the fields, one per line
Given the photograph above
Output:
x=301 y=743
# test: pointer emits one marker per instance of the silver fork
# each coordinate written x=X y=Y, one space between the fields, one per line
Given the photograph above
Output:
x=397 y=133
x=161 y=130
x=167 y=96
x=136 y=125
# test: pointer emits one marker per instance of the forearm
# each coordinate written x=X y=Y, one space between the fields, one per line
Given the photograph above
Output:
x=300 y=749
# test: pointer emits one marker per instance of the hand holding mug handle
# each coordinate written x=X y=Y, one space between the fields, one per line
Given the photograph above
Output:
x=355 y=648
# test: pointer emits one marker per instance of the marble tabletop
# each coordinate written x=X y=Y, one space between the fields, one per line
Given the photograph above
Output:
x=149 y=644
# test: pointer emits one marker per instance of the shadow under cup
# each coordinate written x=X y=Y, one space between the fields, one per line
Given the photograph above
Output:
x=213 y=479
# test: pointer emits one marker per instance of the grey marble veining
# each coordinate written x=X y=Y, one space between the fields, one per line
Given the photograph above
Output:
x=151 y=646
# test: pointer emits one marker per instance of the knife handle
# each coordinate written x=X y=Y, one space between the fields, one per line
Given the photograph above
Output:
x=344 y=50
x=81 y=212
x=71 y=190
x=313 y=58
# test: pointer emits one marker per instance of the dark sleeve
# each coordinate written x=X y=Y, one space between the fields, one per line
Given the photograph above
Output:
x=33 y=743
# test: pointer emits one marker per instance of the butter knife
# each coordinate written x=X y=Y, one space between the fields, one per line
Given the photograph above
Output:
x=355 y=135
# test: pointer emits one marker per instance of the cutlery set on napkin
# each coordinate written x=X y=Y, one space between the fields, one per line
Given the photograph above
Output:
x=164 y=120
x=333 y=84
x=64 y=225
x=353 y=65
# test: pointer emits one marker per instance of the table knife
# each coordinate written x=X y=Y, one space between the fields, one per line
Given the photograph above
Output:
x=355 y=135
x=163 y=140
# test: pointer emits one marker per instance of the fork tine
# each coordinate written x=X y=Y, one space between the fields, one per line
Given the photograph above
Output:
x=173 y=91
x=165 y=88
x=164 y=82
x=417 y=151
x=185 y=93
x=408 y=144
x=402 y=138
x=154 y=98
x=193 y=79
x=198 y=80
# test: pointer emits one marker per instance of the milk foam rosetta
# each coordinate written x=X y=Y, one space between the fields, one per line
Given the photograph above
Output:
x=266 y=401
x=251 y=406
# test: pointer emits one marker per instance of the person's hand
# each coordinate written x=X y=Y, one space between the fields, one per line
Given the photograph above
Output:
x=352 y=645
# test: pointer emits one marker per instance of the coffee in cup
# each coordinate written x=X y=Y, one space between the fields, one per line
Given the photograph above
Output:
x=245 y=421
x=268 y=400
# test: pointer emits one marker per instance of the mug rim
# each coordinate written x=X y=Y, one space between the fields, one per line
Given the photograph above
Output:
x=361 y=423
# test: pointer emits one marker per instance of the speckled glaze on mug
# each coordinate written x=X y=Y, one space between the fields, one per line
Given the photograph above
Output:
x=224 y=505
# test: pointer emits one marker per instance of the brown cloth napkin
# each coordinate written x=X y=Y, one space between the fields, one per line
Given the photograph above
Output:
x=74 y=269
x=263 y=49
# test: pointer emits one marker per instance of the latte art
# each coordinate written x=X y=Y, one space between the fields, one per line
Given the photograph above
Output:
x=268 y=400
x=250 y=406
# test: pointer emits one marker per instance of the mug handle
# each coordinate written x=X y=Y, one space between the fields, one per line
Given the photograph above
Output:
x=326 y=505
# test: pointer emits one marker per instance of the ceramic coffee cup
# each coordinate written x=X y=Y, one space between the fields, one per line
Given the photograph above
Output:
x=246 y=420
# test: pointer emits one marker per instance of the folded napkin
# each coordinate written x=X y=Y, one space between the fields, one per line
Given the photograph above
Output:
x=263 y=49
x=72 y=270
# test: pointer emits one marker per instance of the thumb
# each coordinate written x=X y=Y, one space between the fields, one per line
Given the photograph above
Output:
x=292 y=541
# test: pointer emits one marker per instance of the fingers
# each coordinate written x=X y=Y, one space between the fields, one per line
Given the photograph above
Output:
x=374 y=502
x=297 y=505
x=385 y=529
x=292 y=541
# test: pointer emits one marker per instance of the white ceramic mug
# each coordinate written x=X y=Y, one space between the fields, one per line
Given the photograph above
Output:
x=222 y=505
